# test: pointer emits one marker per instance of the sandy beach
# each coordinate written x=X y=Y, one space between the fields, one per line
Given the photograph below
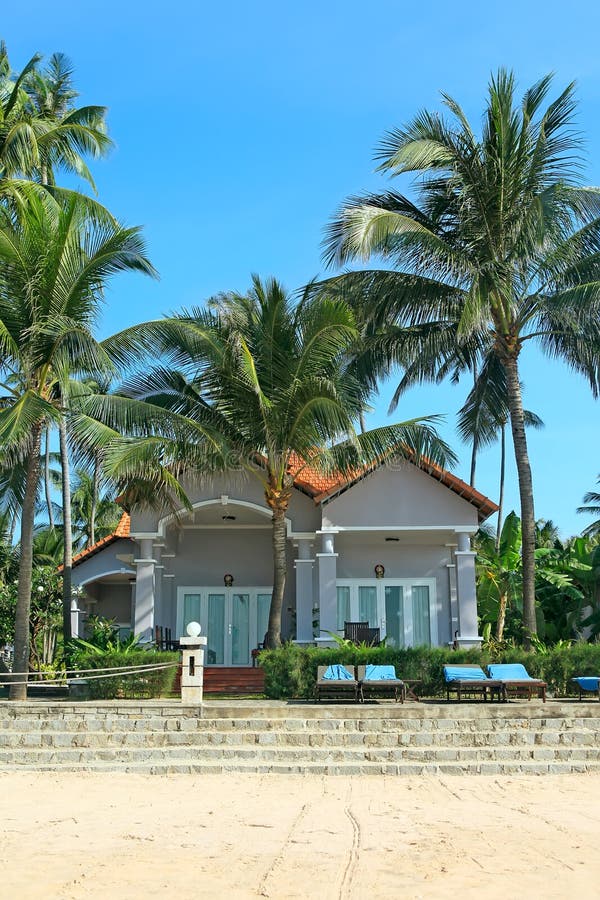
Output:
x=135 y=836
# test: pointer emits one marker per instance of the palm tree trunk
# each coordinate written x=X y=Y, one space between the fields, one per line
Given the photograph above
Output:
x=68 y=534
x=475 y=441
x=22 y=612
x=473 y=462
x=517 y=422
x=94 y=504
x=502 y=476
x=361 y=419
x=501 y=617
x=279 y=575
x=47 y=480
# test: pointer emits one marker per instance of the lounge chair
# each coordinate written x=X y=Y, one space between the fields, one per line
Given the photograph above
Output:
x=589 y=683
x=379 y=680
x=516 y=678
x=468 y=679
x=336 y=681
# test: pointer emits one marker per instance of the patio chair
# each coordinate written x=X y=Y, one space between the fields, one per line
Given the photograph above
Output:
x=469 y=679
x=337 y=682
x=587 y=683
x=361 y=633
x=381 y=681
x=516 y=679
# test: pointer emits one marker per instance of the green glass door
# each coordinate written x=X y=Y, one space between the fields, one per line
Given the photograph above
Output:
x=240 y=629
x=263 y=607
x=394 y=615
x=367 y=605
x=215 y=632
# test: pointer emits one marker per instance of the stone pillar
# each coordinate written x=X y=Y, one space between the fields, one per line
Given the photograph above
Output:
x=454 y=621
x=466 y=594
x=143 y=615
x=192 y=667
x=304 y=593
x=327 y=569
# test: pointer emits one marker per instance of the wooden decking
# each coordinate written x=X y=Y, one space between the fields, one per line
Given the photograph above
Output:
x=233 y=680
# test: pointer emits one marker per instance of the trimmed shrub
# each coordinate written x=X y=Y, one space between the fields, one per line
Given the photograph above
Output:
x=128 y=686
x=291 y=671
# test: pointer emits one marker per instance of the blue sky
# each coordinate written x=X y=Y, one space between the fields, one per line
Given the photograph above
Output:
x=241 y=126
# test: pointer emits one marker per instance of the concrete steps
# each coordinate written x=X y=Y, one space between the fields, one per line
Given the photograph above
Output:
x=261 y=736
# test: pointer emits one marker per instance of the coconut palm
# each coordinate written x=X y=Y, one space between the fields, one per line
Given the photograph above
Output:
x=55 y=258
x=41 y=128
x=591 y=508
x=263 y=384
x=501 y=248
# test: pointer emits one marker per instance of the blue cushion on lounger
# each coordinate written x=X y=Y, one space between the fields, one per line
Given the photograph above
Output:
x=588 y=683
x=338 y=673
x=464 y=673
x=510 y=672
x=380 y=673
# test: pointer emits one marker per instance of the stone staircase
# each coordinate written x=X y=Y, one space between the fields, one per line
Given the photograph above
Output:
x=162 y=737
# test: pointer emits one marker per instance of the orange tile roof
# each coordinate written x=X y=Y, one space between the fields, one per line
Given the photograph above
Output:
x=322 y=487
x=121 y=531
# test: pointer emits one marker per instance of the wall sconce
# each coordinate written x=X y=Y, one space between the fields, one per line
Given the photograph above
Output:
x=379 y=571
x=228 y=580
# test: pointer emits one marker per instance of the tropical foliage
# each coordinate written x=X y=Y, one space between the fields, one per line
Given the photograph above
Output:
x=591 y=508
x=267 y=385
x=500 y=248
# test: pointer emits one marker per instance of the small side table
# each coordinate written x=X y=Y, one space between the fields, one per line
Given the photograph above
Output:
x=409 y=693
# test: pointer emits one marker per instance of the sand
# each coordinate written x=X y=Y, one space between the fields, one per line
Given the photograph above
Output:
x=237 y=836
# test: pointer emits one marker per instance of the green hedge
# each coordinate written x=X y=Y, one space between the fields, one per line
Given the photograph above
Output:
x=133 y=686
x=291 y=672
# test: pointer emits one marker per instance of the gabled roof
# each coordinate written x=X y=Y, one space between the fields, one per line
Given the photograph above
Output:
x=322 y=488
x=121 y=531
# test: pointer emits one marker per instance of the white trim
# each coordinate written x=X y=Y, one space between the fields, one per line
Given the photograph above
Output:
x=229 y=527
x=104 y=574
x=465 y=553
x=144 y=535
x=308 y=560
x=465 y=529
x=145 y=561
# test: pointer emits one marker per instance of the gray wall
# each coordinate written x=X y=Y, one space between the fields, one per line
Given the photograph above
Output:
x=357 y=559
x=105 y=561
x=204 y=557
x=304 y=515
x=401 y=496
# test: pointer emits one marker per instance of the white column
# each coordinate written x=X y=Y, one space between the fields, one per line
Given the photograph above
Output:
x=143 y=616
x=466 y=593
x=327 y=569
x=304 y=593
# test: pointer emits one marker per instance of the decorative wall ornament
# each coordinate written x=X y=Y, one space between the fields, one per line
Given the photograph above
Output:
x=379 y=571
x=228 y=580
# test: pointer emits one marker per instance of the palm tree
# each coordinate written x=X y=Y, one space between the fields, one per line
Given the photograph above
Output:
x=501 y=248
x=95 y=514
x=41 y=128
x=260 y=383
x=55 y=258
x=591 y=508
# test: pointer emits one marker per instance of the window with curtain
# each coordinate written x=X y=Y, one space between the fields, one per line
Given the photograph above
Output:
x=421 y=615
x=343 y=607
x=394 y=615
x=191 y=610
x=367 y=605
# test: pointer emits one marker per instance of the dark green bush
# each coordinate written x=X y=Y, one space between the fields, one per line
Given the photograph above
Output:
x=129 y=686
x=291 y=671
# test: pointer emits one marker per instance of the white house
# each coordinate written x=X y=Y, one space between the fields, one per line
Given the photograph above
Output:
x=391 y=547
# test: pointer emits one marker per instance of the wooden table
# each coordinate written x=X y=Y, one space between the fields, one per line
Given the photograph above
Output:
x=409 y=693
